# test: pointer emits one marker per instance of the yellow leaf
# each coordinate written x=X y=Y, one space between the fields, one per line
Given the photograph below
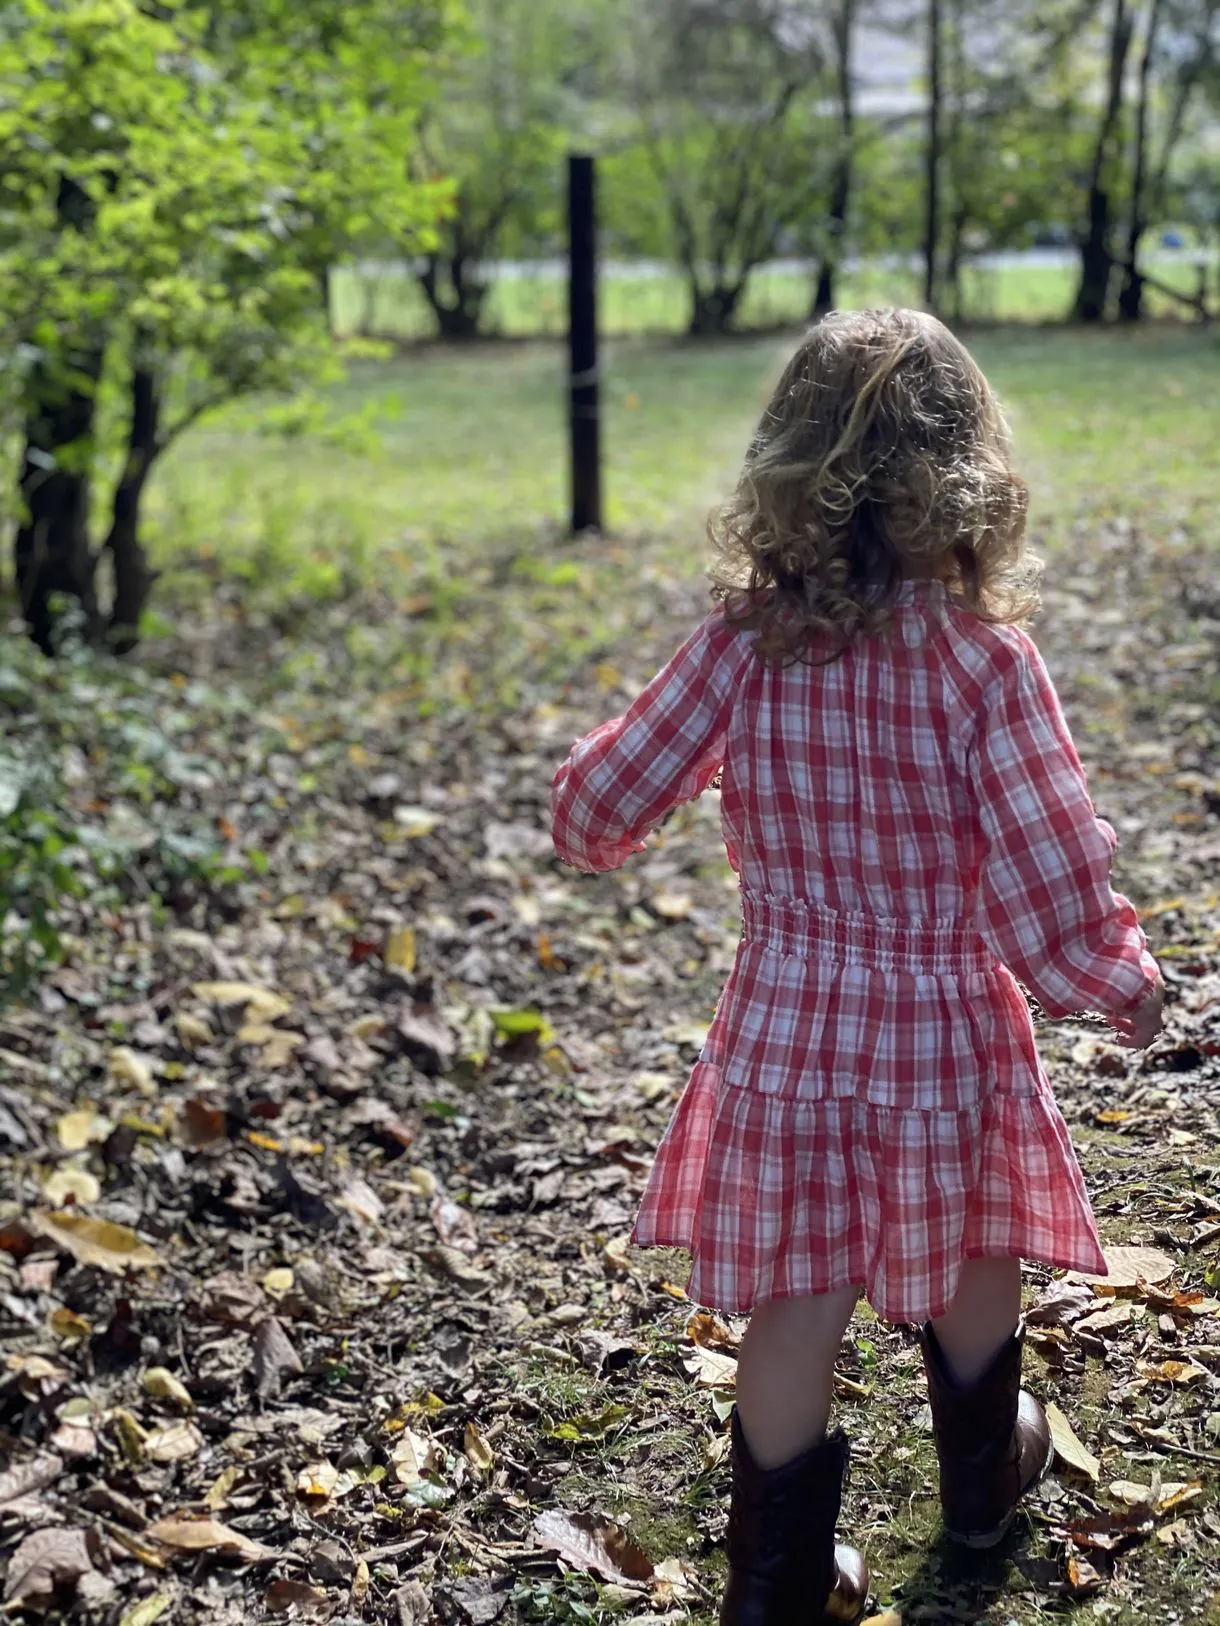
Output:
x=366 y=1027
x=278 y=1282
x=71 y=1185
x=276 y=1044
x=218 y=1494
x=547 y=958
x=672 y=905
x=193 y=1030
x=103 y=1243
x=424 y=1181
x=360 y=1582
x=261 y=1004
x=1068 y=1448
x=318 y=1479
x=479 y=1454
x=1183 y=1372
x=131 y=1436
x=82 y=1128
x=298 y=1147
x=266 y=1143
x=400 y=949
x=148 y=1610
x=163 y=1385
x=66 y=1324
x=126 y=1067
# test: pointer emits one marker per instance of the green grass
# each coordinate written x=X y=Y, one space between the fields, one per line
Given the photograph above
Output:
x=392 y=306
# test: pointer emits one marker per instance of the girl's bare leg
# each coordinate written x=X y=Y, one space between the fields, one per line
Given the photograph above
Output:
x=785 y=1373
x=982 y=1317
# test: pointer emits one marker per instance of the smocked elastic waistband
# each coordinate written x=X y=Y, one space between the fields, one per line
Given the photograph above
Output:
x=812 y=932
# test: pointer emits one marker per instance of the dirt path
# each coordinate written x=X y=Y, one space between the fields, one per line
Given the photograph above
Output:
x=392 y=1322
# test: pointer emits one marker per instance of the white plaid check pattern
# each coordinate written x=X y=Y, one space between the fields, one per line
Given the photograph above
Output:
x=908 y=822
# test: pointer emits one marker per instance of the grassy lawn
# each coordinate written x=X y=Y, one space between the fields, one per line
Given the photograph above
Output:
x=392 y=306
x=463 y=451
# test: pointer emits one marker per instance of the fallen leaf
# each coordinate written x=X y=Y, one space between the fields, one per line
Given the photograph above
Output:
x=1107 y=1320
x=66 y=1324
x=672 y=905
x=1170 y=1495
x=1128 y=1267
x=399 y=951
x=47 y=1562
x=278 y=1282
x=202 y=1124
x=193 y=1031
x=1083 y=1580
x=149 y=1610
x=415 y=1456
x=26 y=1478
x=126 y=1067
x=711 y=1368
x=453 y=1262
x=103 y=1243
x=276 y=1046
x=285 y=1595
x=260 y=1003
x=81 y=1128
x=1068 y=1448
x=68 y=1185
x=479 y=1454
x=588 y=1541
x=221 y=1488
x=709 y=1332
x=323 y=1479
x=454 y=1224
x=132 y=1436
x=274 y=1358
x=73 y=1438
x=1111 y=1532
x=1060 y=1303
x=359 y=1198
x=161 y=1384
x=199 y=1533
x=519 y=1024
x=690 y=1035
x=1183 y=1372
x=175 y=1443
x=592 y=1426
x=1174 y=1535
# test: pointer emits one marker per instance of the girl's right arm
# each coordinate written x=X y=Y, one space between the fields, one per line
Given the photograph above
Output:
x=1048 y=909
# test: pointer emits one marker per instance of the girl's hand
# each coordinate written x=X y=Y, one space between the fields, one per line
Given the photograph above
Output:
x=1138 y=1028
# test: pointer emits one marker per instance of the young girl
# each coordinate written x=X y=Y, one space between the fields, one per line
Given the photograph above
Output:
x=909 y=821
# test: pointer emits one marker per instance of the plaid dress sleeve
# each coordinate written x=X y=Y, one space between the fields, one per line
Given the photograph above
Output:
x=1048 y=911
x=621 y=780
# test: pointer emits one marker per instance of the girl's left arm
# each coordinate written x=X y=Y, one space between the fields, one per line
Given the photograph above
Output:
x=621 y=780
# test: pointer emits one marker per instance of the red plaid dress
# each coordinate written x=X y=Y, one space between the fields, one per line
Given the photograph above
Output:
x=910 y=825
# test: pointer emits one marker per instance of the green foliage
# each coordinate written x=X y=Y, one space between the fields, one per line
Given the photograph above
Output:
x=97 y=793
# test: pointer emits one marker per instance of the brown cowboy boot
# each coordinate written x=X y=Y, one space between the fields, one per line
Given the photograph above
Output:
x=992 y=1439
x=784 y=1566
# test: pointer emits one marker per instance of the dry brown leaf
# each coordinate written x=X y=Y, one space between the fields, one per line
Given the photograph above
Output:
x=359 y=1198
x=102 y=1243
x=1107 y=1320
x=47 y=1562
x=672 y=905
x=126 y=1067
x=274 y=1357
x=414 y=1456
x=711 y=1368
x=276 y=1046
x=454 y=1224
x=1068 y=1448
x=453 y=1262
x=175 y=1443
x=591 y=1543
x=1182 y=1372
x=709 y=1332
x=68 y=1185
x=26 y=1479
x=221 y=1488
x=1130 y=1266
x=1170 y=1495
x=1083 y=1580
x=1111 y=1532
x=83 y=1127
x=1061 y=1303
x=285 y=1595
x=161 y=1384
x=322 y=1479
x=193 y=1031
x=73 y=1438
x=479 y=1454
x=202 y=1123
x=66 y=1324
x=199 y=1533
x=260 y=1003
x=1174 y=1535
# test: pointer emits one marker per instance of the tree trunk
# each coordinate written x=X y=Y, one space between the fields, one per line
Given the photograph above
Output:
x=932 y=162
x=840 y=194
x=133 y=579
x=458 y=310
x=1096 y=261
x=713 y=309
x=52 y=555
x=1131 y=294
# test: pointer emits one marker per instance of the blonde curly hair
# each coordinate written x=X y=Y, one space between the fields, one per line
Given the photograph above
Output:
x=882 y=456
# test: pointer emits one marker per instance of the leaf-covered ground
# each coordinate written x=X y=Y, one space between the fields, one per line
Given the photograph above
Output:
x=314 y=1291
